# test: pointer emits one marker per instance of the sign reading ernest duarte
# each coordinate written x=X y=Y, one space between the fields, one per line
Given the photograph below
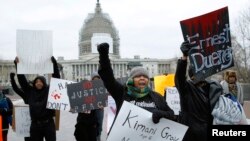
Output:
x=87 y=95
x=210 y=37
x=34 y=51
x=173 y=99
x=58 y=98
x=136 y=124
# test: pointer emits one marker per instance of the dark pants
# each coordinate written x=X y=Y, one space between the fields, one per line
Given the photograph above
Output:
x=43 y=129
x=5 y=135
x=27 y=139
x=99 y=115
x=85 y=132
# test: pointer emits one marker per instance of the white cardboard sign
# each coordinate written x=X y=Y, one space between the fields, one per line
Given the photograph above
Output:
x=34 y=51
x=135 y=124
x=58 y=98
x=173 y=99
x=22 y=121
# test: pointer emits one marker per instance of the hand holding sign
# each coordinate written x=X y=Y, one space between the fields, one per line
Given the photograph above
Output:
x=135 y=125
x=158 y=114
x=185 y=47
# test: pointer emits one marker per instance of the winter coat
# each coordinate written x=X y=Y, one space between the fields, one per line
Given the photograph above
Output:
x=196 y=103
x=18 y=90
x=6 y=108
x=37 y=99
x=239 y=96
x=119 y=91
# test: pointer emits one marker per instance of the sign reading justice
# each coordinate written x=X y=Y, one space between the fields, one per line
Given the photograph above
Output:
x=87 y=95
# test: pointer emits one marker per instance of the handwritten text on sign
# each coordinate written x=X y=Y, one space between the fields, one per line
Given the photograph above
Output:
x=136 y=124
x=87 y=95
x=58 y=98
x=210 y=37
x=22 y=121
x=173 y=99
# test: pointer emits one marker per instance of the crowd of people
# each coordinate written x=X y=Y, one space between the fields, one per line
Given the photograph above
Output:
x=197 y=99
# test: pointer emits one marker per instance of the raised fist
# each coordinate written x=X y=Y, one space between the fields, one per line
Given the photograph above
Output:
x=53 y=60
x=185 y=47
x=103 y=48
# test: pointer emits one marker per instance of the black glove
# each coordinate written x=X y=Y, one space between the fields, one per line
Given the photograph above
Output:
x=12 y=75
x=103 y=48
x=53 y=60
x=185 y=47
x=158 y=114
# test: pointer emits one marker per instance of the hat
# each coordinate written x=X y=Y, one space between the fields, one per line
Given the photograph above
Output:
x=136 y=71
x=95 y=74
x=230 y=73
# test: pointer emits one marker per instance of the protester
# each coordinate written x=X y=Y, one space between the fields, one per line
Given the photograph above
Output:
x=42 y=119
x=19 y=92
x=89 y=123
x=196 y=99
x=136 y=90
x=99 y=112
x=231 y=85
x=6 y=108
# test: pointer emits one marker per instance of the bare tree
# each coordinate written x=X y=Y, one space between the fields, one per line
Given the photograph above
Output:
x=241 y=46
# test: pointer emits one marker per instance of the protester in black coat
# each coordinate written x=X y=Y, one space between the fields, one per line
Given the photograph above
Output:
x=6 y=108
x=16 y=89
x=136 y=90
x=86 y=128
x=19 y=92
x=196 y=99
x=42 y=122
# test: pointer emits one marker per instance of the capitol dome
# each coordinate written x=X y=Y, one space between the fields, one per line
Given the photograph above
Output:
x=97 y=28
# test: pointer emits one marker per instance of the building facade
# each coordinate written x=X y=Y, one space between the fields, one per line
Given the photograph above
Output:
x=97 y=28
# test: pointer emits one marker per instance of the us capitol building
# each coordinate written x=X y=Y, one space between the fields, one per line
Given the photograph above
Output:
x=97 y=28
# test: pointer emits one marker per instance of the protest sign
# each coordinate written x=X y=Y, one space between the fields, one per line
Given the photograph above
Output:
x=87 y=95
x=58 y=98
x=111 y=112
x=135 y=124
x=22 y=121
x=34 y=51
x=210 y=37
x=161 y=82
x=173 y=99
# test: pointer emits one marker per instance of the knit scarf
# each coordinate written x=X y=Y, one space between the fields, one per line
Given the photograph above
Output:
x=136 y=92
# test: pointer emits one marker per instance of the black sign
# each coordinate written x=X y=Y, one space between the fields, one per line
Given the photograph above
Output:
x=87 y=95
x=210 y=36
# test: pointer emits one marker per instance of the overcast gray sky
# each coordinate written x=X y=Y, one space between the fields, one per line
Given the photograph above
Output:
x=149 y=28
